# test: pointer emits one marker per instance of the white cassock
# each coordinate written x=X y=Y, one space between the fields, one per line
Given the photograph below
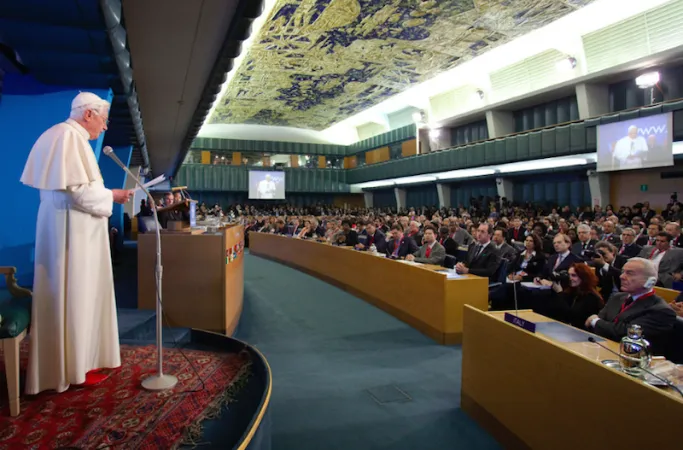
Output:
x=73 y=323
x=630 y=149
x=266 y=189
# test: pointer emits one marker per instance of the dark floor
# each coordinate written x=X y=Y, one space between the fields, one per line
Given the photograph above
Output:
x=345 y=374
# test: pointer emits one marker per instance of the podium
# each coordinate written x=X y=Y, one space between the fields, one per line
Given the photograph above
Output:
x=203 y=278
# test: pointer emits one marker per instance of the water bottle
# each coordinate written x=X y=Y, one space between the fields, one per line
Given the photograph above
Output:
x=373 y=249
x=634 y=351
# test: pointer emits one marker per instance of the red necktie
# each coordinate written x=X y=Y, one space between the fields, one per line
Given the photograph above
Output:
x=428 y=252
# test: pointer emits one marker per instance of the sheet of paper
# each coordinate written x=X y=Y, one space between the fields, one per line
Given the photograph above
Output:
x=532 y=285
x=154 y=182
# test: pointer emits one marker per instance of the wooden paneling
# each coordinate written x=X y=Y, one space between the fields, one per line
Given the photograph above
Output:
x=377 y=155
x=409 y=148
x=531 y=391
x=265 y=161
x=350 y=200
x=294 y=161
x=206 y=157
x=415 y=294
x=322 y=162
x=236 y=158
x=350 y=162
x=625 y=187
x=200 y=288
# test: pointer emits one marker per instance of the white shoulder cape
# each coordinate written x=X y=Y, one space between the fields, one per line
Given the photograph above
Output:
x=61 y=157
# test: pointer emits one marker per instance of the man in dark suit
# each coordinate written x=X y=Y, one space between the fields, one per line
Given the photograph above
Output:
x=516 y=233
x=447 y=242
x=505 y=250
x=637 y=304
x=585 y=242
x=667 y=260
x=371 y=235
x=350 y=236
x=674 y=230
x=629 y=249
x=558 y=263
x=609 y=234
x=652 y=231
x=482 y=258
x=431 y=252
x=608 y=265
x=400 y=246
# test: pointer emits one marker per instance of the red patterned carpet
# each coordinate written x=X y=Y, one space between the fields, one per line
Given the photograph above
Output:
x=118 y=413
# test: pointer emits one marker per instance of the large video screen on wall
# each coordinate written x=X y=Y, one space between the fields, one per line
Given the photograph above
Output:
x=265 y=185
x=636 y=144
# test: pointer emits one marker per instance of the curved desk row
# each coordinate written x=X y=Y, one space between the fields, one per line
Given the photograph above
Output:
x=536 y=391
x=414 y=293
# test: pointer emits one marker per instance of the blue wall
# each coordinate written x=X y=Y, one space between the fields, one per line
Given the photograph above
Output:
x=424 y=195
x=462 y=192
x=384 y=198
x=27 y=109
x=563 y=188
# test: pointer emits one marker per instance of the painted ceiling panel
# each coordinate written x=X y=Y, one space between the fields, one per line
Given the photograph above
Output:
x=317 y=62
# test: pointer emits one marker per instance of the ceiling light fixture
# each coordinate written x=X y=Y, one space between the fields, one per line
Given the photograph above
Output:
x=647 y=80
x=566 y=64
x=419 y=117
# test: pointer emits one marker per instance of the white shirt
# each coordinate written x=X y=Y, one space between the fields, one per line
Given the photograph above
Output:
x=627 y=147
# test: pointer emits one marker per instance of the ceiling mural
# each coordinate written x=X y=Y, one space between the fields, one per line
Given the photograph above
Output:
x=317 y=62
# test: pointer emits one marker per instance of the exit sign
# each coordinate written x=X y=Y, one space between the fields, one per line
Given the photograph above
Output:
x=643 y=187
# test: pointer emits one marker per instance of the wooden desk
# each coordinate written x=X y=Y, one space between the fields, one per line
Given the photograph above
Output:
x=415 y=294
x=201 y=288
x=531 y=391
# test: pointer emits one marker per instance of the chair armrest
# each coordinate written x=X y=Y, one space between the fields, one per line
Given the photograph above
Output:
x=14 y=289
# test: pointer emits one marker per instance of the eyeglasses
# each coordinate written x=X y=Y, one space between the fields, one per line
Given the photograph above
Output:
x=105 y=119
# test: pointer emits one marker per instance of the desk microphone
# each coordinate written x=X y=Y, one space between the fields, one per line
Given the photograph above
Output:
x=664 y=380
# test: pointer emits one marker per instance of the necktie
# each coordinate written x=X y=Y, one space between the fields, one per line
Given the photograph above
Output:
x=477 y=251
x=428 y=252
x=628 y=302
x=621 y=251
x=559 y=260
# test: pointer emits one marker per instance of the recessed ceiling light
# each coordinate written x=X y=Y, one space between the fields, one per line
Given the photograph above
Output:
x=647 y=80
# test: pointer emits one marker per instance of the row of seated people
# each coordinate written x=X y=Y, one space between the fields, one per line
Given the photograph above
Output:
x=585 y=278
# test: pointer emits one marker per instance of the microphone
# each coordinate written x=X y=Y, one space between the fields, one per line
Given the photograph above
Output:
x=664 y=380
x=160 y=381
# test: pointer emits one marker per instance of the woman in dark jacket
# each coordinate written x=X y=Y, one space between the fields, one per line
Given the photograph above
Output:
x=530 y=262
x=577 y=302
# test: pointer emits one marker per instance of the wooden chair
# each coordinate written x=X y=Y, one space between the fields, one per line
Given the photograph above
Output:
x=15 y=309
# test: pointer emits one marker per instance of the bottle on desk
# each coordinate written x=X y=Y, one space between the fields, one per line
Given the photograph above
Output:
x=634 y=351
x=373 y=249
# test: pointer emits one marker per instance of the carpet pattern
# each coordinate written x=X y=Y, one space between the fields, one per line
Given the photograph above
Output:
x=118 y=413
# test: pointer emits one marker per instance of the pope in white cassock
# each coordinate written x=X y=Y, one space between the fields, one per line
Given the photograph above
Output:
x=74 y=331
x=630 y=150
x=266 y=188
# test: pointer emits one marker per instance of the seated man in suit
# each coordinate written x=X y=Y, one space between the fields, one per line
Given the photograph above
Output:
x=448 y=243
x=636 y=304
x=629 y=248
x=559 y=263
x=482 y=258
x=677 y=305
x=505 y=250
x=400 y=246
x=609 y=234
x=585 y=242
x=652 y=231
x=460 y=235
x=608 y=265
x=348 y=236
x=372 y=236
x=668 y=261
x=431 y=252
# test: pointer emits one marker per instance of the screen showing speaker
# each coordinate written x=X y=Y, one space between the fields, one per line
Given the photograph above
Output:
x=265 y=185
x=636 y=144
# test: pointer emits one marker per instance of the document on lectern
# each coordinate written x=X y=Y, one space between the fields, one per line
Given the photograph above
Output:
x=152 y=183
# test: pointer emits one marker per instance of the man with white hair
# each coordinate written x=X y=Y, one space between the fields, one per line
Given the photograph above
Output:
x=630 y=150
x=266 y=188
x=74 y=331
x=636 y=304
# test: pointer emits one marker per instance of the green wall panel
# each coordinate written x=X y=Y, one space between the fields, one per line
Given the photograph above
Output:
x=577 y=137
x=535 y=145
x=548 y=143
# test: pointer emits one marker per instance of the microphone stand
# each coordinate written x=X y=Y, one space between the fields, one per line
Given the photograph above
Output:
x=160 y=381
